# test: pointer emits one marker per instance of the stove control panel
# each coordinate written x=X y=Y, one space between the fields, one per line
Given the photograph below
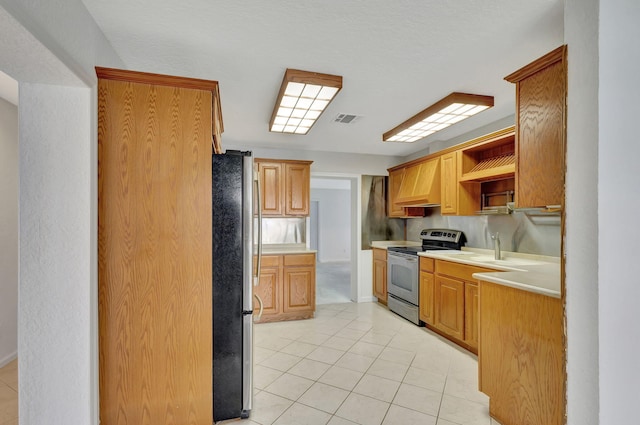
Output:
x=442 y=235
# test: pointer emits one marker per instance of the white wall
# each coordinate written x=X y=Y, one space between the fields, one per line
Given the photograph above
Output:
x=55 y=255
x=581 y=242
x=334 y=224
x=8 y=232
x=618 y=209
x=48 y=47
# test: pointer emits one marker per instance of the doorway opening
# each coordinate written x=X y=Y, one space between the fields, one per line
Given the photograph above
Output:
x=331 y=234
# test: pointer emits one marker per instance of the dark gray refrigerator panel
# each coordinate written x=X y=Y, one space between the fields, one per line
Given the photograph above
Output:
x=232 y=268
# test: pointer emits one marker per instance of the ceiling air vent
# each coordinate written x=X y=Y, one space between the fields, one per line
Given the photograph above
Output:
x=346 y=118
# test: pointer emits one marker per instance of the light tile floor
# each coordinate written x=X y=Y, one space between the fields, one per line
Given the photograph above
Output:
x=333 y=283
x=362 y=364
x=351 y=364
x=9 y=394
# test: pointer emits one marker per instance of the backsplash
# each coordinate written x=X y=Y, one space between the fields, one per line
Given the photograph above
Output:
x=290 y=230
x=518 y=232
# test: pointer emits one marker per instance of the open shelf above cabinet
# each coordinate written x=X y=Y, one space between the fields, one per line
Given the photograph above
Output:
x=494 y=159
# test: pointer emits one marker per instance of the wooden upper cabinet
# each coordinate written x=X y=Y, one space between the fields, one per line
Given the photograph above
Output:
x=393 y=208
x=154 y=248
x=449 y=182
x=272 y=188
x=541 y=90
x=297 y=188
x=285 y=187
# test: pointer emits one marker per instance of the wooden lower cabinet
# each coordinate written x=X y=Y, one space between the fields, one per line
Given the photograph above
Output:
x=287 y=287
x=270 y=287
x=449 y=306
x=427 y=288
x=521 y=356
x=380 y=274
x=454 y=300
x=471 y=316
x=427 y=291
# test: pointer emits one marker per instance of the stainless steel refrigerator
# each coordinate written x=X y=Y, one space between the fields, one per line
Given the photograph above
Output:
x=233 y=278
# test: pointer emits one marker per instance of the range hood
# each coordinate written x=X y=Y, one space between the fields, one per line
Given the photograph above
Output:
x=420 y=185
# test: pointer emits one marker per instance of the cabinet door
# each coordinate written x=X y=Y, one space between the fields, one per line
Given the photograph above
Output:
x=471 y=305
x=299 y=289
x=380 y=280
x=427 y=297
x=449 y=306
x=449 y=182
x=540 y=140
x=272 y=188
x=269 y=290
x=297 y=181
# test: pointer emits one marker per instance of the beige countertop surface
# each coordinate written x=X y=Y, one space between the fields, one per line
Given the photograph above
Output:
x=387 y=244
x=282 y=249
x=534 y=273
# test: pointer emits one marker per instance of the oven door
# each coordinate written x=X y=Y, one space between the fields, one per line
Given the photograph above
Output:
x=402 y=276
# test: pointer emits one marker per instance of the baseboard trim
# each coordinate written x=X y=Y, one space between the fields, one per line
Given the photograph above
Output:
x=367 y=299
x=8 y=359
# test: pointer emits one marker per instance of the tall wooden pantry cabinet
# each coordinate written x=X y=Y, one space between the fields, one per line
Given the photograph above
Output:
x=155 y=137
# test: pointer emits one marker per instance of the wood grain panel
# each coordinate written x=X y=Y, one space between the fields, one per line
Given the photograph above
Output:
x=269 y=290
x=449 y=182
x=299 y=289
x=272 y=187
x=471 y=315
x=460 y=271
x=521 y=355
x=393 y=209
x=300 y=260
x=449 y=306
x=427 y=295
x=154 y=254
x=541 y=138
x=380 y=280
x=297 y=188
x=427 y=264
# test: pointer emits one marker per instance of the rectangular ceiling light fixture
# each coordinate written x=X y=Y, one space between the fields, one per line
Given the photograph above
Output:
x=302 y=98
x=450 y=110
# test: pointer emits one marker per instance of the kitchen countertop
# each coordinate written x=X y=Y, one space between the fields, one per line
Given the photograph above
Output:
x=533 y=273
x=283 y=249
x=387 y=244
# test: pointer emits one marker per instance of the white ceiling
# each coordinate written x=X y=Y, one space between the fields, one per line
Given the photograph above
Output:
x=396 y=58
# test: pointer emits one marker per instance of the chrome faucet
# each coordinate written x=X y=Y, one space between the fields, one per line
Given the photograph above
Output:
x=496 y=245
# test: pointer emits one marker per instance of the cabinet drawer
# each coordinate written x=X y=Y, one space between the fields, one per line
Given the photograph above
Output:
x=426 y=264
x=461 y=271
x=270 y=261
x=300 y=260
x=379 y=254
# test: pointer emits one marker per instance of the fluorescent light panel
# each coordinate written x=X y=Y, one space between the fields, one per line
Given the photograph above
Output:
x=302 y=98
x=448 y=111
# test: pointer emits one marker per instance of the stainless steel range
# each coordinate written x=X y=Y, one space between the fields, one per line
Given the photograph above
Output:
x=403 y=269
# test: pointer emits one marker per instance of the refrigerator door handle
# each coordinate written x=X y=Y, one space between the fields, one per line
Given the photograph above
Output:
x=259 y=316
x=247 y=233
x=256 y=179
